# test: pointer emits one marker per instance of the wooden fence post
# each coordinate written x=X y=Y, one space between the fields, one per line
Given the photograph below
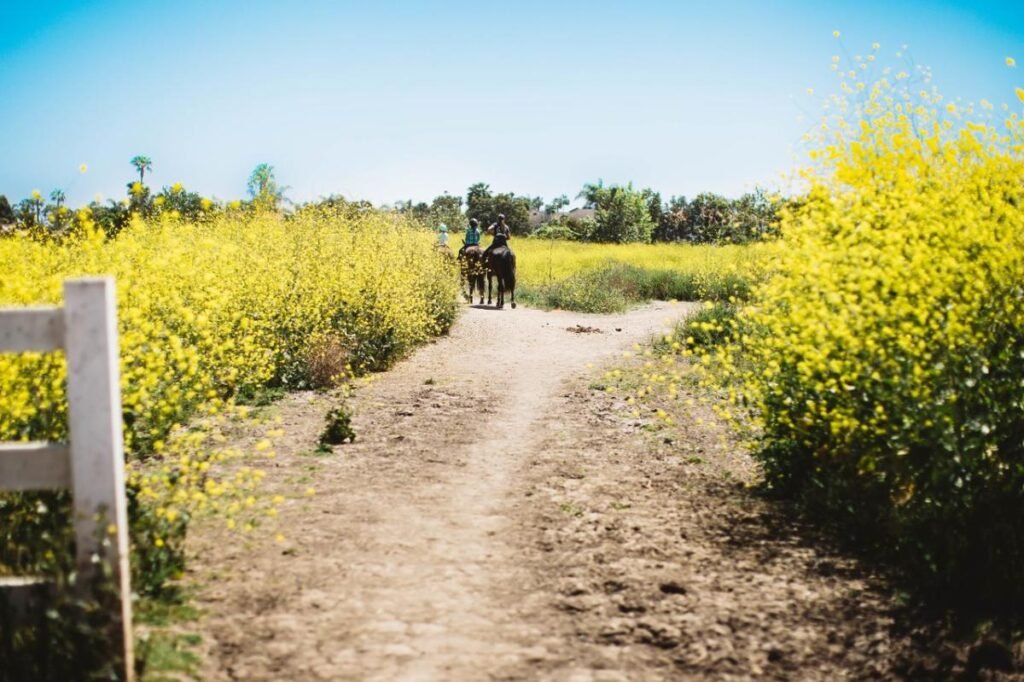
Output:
x=97 y=447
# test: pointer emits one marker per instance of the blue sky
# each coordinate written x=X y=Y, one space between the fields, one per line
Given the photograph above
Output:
x=394 y=100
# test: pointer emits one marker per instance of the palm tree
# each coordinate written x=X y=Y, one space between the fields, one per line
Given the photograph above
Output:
x=142 y=164
x=37 y=203
x=57 y=197
x=592 y=193
x=263 y=187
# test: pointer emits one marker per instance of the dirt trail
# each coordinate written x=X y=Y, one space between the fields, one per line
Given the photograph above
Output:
x=405 y=564
x=498 y=520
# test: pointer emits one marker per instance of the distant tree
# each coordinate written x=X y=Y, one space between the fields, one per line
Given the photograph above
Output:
x=673 y=224
x=140 y=200
x=421 y=212
x=655 y=207
x=478 y=202
x=536 y=203
x=338 y=205
x=556 y=230
x=486 y=207
x=591 y=193
x=556 y=205
x=478 y=191
x=59 y=217
x=142 y=164
x=446 y=209
x=29 y=212
x=515 y=209
x=622 y=213
x=26 y=214
x=755 y=216
x=709 y=219
x=111 y=218
x=7 y=216
x=263 y=187
x=57 y=197
x=188 y=205
x=714 y=219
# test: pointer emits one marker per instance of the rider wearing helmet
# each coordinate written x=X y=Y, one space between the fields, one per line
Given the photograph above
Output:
x=473 y=235
x=501 y=234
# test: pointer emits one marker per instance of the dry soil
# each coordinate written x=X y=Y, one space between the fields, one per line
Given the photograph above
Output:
x=497 y=518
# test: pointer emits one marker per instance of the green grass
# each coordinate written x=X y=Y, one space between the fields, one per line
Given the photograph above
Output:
x=614 y=287
x=162 y=613
x=166 y=656
x=166 y=653
x=260 y=396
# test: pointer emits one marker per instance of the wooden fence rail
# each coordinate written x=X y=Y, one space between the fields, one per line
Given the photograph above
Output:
x=91 y=463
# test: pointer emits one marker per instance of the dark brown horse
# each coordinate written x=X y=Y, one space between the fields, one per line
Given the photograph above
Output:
x=473 y=269
x=501 y=263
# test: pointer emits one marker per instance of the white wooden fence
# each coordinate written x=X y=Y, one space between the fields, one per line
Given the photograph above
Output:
x=91 y=463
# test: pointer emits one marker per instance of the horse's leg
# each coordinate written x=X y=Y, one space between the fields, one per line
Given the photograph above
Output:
x=490 y=285
x=512 y=278
x=501 y=290
x=464 y=279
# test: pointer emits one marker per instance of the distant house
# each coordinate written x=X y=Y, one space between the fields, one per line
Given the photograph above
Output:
x=538 y=218
x=582 y=213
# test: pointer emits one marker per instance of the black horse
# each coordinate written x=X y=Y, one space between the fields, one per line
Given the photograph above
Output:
x=501 y=263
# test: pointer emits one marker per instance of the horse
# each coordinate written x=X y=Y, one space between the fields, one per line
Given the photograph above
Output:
x=501 y=263
x=444 y=251
x=472 y=267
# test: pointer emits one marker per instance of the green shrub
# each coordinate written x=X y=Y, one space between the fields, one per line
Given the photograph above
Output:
x=554 y=231
x=338 y=428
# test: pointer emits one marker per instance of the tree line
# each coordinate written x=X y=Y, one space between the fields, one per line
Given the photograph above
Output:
x=37 y=217
x=610 y=213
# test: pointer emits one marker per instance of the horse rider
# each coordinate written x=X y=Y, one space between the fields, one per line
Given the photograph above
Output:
x=472 y=237
x=501 y=233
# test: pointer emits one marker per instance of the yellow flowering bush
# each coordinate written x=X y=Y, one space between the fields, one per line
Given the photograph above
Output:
x=208 y=312
x=884 y=359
